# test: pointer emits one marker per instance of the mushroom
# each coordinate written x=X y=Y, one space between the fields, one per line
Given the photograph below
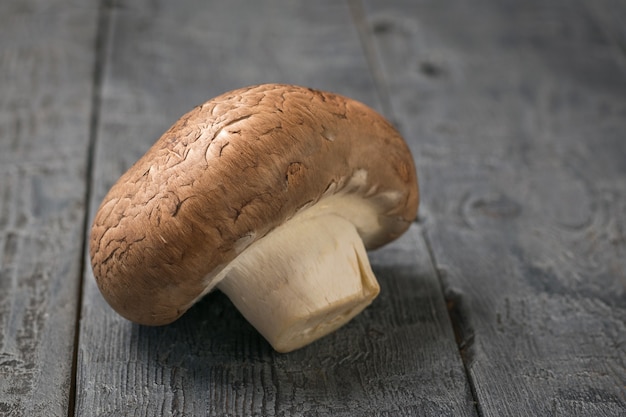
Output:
x=271 y=194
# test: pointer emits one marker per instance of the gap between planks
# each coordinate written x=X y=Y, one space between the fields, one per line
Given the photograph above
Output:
x=357 y=11
x=101 y=45
x=463 y=341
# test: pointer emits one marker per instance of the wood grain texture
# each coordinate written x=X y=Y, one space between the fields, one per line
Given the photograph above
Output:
x=516 y=112
x=46 y=63
x=398 y=358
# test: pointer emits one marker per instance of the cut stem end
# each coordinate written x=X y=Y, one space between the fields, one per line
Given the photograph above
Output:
x=302 y=281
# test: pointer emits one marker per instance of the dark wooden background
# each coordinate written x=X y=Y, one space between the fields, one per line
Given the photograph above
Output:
x=506 y=298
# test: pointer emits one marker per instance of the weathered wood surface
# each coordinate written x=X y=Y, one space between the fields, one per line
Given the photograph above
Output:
x=46 y=64
x=398 y=358
x=516 y=112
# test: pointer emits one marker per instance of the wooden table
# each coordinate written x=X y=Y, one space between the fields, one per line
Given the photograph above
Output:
x=506 y=298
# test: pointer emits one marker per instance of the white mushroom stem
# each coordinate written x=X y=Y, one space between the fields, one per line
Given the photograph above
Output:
x=302 y=281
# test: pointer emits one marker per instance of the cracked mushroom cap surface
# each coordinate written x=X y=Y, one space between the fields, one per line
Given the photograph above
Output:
x=229 y=172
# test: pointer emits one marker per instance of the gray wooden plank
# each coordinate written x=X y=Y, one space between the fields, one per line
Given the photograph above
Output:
x=516 y=112
x=46 y=64
x=398 y=358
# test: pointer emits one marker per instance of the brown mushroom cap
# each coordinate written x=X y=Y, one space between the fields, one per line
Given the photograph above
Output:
x=225 y=175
